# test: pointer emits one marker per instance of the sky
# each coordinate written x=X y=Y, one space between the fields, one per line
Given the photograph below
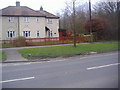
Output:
x=52 y=6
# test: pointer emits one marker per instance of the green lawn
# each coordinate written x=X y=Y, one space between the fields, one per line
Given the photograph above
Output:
x=0 y=46
x=66 y=50
x=2 y=55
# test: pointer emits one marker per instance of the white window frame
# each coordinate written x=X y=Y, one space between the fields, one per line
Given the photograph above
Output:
x=37 y=19
x=58 y=21
x=49 y=20
x=51 y=33
x=38 y=33
x=10 y=34
x=26 y=33
x=10 y=19
x=26 y=19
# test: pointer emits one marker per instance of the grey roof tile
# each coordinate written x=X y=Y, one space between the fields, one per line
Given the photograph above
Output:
x=25 y=11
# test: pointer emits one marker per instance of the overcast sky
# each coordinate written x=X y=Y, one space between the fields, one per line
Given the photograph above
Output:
x=52 y=6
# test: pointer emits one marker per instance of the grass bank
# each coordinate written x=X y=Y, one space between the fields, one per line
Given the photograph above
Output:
x=2 y=56
x=67 y=50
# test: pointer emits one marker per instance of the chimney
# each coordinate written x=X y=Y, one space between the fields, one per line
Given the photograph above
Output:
x=41 y=8
x=17 y=3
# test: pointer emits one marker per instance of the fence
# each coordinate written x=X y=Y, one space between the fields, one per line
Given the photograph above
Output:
x=46 y=41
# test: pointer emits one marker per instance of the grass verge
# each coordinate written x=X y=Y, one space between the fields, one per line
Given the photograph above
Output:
x=2 y=56
x=43 y=52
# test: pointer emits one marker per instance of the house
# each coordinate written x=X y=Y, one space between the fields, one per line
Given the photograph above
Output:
x=24 y=21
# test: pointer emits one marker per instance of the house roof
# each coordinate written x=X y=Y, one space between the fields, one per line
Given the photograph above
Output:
x=47 y=14
x=25 y=11
x=20 y=11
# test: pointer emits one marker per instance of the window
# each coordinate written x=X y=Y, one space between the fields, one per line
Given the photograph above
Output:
x=49 y=20
x=37 y=19
x=26 y=33
x=51 y=33
x=38 y=33
x=11 y=34
x=58 y=21
x=26 y=19
x=10 y=19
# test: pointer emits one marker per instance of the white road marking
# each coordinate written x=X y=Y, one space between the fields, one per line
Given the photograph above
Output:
x=21 y=64
x=17 y=79
x=97 y=67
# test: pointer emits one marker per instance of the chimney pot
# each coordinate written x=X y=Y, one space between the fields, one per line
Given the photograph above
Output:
x=17 y=3
x=41 y=8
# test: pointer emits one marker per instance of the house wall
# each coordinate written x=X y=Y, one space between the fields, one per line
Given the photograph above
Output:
x=9 y=26
x=33 y=26
x=0 y=28
x=53 y=26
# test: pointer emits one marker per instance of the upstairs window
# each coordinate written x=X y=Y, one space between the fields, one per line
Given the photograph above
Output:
x=26 y=33
x=11 y=34
x=49 y=20
x=37 y=19
x=10 y=19
x=26 y=19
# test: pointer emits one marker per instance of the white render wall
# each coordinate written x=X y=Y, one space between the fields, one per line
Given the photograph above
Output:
x=53 y=26
x=9 y=26
x=33 y=26
x=0 y=28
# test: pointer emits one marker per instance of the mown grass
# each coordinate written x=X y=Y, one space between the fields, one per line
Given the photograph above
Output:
x=0 y=45
x=2 y=56
x=68 y=50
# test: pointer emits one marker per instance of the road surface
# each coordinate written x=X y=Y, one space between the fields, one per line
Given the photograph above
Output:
x=97 y=71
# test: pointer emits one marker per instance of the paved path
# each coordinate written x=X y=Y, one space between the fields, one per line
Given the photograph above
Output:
x=13 y=56
x=16 y=48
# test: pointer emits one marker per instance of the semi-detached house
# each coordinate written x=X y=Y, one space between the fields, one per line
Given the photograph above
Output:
x=24 y=21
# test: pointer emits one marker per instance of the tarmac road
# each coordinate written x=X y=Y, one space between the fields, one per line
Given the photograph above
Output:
x=97 y=71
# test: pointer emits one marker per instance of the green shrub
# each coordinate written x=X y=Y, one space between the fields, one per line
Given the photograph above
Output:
x=88 y=39
x=81 y=34
x=72 y=35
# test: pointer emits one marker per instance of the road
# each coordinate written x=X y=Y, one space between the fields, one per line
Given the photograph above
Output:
x=97 y=71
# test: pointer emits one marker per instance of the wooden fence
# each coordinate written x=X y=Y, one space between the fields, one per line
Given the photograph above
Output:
x=46 y=41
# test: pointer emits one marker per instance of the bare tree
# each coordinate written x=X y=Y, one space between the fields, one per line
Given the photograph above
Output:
x=108 y=10
x=80 y=17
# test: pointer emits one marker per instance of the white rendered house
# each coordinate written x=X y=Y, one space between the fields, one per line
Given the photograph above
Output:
x=23 y=21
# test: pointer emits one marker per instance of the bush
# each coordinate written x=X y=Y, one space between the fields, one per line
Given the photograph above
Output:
x=20 y=41
x=87 y=38
x=81 y=34
x=98 y=26
x=72 y=35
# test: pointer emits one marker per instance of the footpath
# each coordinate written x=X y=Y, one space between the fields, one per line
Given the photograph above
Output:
x=13 y=56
